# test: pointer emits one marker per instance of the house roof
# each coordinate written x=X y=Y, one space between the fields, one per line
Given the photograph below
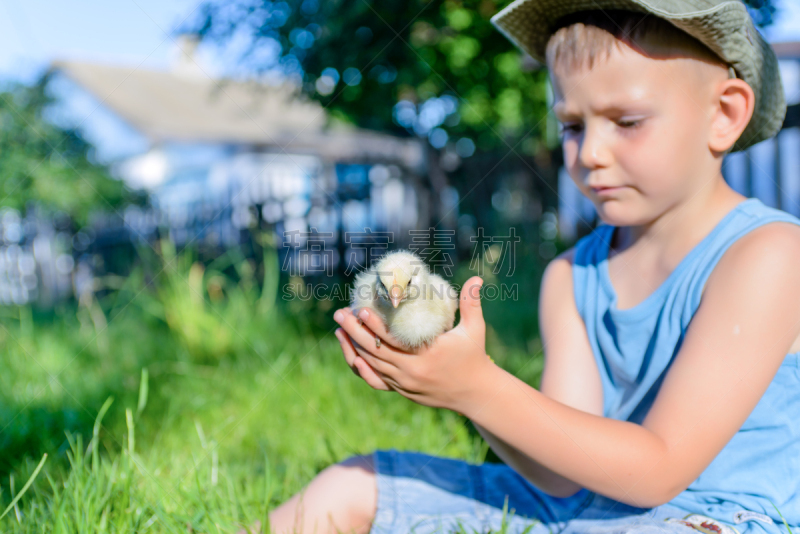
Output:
x=174 y=106
x=787 y=50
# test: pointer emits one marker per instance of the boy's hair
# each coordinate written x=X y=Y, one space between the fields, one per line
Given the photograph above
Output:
x=585 y=36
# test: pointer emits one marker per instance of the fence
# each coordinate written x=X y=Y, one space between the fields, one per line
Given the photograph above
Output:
x=326 y=218
x=36 y=263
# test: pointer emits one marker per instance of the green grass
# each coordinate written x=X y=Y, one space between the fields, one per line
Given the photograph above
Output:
x=224 y=403
x=231 y=444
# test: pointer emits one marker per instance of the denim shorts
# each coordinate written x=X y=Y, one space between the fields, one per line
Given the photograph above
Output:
x=423 y=494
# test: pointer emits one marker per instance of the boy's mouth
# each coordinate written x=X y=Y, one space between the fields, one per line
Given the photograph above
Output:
x=605 y=190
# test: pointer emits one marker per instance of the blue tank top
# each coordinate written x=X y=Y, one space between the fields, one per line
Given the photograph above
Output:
x=634 y=347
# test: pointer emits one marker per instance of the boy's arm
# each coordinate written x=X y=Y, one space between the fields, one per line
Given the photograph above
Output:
x=540 y=476
x=569 y=376
x=746 y=323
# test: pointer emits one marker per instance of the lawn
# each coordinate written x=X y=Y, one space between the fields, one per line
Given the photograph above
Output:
x=190 y=398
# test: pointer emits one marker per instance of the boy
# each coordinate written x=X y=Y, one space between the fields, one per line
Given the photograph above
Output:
x=670 y=396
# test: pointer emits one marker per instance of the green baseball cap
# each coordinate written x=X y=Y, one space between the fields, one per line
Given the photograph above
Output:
x=724 y=26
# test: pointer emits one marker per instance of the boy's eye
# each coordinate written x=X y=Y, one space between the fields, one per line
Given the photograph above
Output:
x=569 y=128
x=576 y=128
x=629 y=124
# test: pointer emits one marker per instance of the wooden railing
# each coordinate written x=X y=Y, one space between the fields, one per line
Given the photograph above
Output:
x=792 y=120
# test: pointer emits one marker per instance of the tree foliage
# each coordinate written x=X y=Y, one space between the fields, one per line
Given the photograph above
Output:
x=360 y=58
x=43 y=164
x=380 y=53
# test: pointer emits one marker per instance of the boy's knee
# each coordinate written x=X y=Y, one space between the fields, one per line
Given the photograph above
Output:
x=353 y=484
x=363 y=462
x=350 y=479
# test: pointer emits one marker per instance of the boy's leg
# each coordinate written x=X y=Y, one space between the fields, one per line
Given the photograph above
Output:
x=607 y=516
x=423 y=494
x=391 y=492
x=343 y=497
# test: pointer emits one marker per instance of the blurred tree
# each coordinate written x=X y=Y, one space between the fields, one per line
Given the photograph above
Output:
x=431 y=68
x=763 y=11
x=385 y=65
x=46 y=165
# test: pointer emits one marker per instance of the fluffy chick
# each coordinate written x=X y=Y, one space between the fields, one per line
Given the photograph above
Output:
x=415 y=304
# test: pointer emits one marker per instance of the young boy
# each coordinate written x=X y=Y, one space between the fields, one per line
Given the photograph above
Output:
x=670 y=396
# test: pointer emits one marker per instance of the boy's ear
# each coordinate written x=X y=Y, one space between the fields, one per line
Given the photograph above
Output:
x=736 y=102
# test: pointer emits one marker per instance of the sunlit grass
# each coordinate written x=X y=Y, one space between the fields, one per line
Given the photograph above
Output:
x=215 y=432
x=225 y=450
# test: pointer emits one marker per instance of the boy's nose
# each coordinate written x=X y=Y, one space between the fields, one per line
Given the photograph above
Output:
x=593 y=151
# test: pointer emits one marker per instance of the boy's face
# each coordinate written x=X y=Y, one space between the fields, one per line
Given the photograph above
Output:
x=636 y=130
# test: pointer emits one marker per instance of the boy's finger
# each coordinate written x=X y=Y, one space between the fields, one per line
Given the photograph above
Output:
x=376 y=325
x=347 y=348
x=379 y=365
x=370 y=376
x=361 y=335
x=357 y=364
x=470 y=304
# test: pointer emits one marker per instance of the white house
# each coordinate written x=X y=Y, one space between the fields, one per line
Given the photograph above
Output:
x=218 y=156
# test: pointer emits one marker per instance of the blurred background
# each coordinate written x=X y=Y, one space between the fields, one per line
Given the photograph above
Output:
x=186 y=191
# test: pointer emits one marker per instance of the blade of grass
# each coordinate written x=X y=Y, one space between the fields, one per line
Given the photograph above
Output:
x=25 y=487
x=143 y=391
x=267 y=528
x=11 y=487
x=96 y=432
x=131 y=435
x=780 y=514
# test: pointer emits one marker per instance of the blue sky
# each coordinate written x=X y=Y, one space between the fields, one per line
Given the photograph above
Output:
x=128 y=32
x=131 y=32
x=787 y=26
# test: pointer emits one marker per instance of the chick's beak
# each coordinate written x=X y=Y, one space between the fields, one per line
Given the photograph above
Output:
x=396 y=295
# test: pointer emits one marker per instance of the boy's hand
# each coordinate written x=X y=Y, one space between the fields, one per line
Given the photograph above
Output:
x=443 y=374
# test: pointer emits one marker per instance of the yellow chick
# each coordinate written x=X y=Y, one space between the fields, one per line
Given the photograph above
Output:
x=415 y=304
